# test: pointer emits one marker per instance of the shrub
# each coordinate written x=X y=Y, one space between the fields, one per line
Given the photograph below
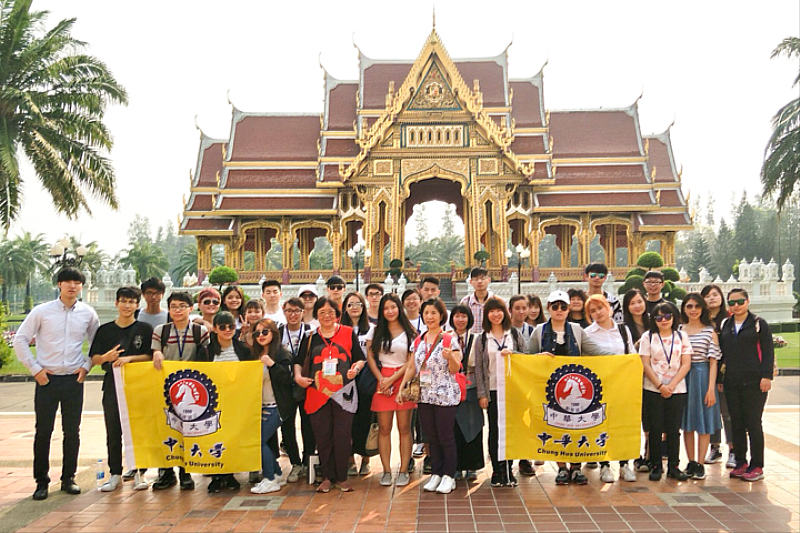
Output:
x=670 y=274
x=632 y=282
x=635 y=272
x=650 y=260
x=221 y=275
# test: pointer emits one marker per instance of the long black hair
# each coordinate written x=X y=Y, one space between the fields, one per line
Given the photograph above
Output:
x=722 y=314
x=705 y=318
x=363 y=318
x=626 y=303
x=666 y=308
x=274 y=345
x=382 y=337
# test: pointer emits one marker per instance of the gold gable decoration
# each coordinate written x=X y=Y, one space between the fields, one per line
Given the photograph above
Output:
x=434 y=92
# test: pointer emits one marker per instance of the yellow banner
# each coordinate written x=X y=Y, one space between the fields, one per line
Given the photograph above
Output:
x=205 y=417
x=570 y=409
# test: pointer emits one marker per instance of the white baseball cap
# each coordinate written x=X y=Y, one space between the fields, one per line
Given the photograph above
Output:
x=307 y=288
x=558 y=296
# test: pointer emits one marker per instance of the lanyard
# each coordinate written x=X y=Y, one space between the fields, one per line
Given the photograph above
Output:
x=321 y=336
x=294 y=349
x=181 y=346
x=671 y=347
x=500 y=347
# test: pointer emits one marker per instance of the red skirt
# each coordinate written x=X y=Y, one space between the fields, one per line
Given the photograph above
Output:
x=384 y=403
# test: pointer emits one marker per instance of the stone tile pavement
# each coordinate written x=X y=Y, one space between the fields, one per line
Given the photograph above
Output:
x=715 y=505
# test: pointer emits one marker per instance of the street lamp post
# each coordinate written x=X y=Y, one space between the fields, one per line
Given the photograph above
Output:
x=522 y=253
x=355 y=253
x=61 y=256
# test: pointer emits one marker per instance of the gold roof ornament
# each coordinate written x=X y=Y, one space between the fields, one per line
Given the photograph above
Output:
x=213 y=202
x=218 y=178
x=647 y=146
x=658 y=197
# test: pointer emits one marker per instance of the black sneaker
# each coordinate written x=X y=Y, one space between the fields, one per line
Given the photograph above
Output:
x=187 y=483
x=699 y=471
x=426 y=465
x=526 y=468
x=217 y=482
x=591 y=465
x=714 y=455
x=673 y=472
x=166 y=479
x=511 y=481
x=577 y=477
x=232 y=483
x=562 y=478
x=641 y=464
x=690 y=468
x=497 y=480
x=130 y=474
x=655 y=472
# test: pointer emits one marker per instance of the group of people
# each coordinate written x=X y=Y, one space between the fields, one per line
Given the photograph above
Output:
x=347 y=361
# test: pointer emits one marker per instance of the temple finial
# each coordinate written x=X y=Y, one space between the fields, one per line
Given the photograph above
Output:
x=434 y=17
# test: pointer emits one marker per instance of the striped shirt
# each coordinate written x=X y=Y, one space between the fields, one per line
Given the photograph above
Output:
x=703 y=345
x=477 y=309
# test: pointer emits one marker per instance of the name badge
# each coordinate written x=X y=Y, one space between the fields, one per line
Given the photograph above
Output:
x=425 y=377
x=329 y=367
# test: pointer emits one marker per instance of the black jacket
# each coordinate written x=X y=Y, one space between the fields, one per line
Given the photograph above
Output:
x=282 y=376
x=745 y=363
x=243 y=351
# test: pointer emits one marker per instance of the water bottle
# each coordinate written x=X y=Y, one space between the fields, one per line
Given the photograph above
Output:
x=101 y=473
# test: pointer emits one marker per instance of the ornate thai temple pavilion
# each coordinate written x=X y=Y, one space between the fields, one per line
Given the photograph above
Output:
x=434 y=128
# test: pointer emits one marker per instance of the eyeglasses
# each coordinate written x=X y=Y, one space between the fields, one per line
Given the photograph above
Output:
x=354 y=305
x=374 y=294
x=559 y=306
x=210 y=302
x=336 y=287
x=691 y=306
x=326 y=313
x=739 y=301
x=182 y=307
x=226 y=327
x=261 y=333
x=653 y=282
x=598 y=275
x=663 y=318
x=293 y=311
x=153 y=294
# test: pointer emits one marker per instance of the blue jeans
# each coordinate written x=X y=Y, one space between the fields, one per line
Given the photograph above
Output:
x=270 y=421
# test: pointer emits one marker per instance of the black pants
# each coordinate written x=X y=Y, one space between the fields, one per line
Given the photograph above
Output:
x=289 y=436
x=498 y=467
x=67 y=392
x=113 y=427
x=746 y=407
x=716 y=438
x=438 y=423
x=665 y=416
x=307 y=434
x=332 y=430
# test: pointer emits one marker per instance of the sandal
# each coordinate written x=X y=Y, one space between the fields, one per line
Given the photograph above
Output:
x=324 y=487
x=345 y=486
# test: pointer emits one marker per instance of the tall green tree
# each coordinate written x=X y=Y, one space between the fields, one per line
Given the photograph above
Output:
x=146 y=259
x=12 y=267
x=781 y=168
x=723 y=253
x=52 y=104
x=33 y=251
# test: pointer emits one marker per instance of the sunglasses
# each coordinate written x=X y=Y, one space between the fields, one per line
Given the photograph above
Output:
x=226 y=327
x=210 y=302
x=261 y=333
x=559 y=306
x=337 y=287
x=663 y=318
x=307 y=295
x=739 y=301
x=594 y=275
x=691 y=306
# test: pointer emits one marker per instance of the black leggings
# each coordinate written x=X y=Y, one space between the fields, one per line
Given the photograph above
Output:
x=665 y=416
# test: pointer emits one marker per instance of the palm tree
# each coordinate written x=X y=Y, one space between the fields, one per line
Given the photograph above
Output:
x=146 y=259
x=781 y=167
x=12 y=267
x=52 y=102
x=34 y=253
x=187 y=264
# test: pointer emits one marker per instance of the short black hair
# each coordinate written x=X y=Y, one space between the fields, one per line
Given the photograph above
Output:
x=373 y=286
x=154 y=283
x=438 y=304
x=70 y=274
x=462 y=309
x=322 y=302
x=130 y=292
x=295 y=301
x=477 y=272
x=737 y=289
x=270 y=283
x=491 y=304
x=335 y=280
x=224 y=317
x=577 y=292
x=181 y=296
x=409 y=292
x=599 y=268
x=429 y=279
x=654 y=274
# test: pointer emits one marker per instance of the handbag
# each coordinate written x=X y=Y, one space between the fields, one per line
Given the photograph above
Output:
x=462 y=381
x=366 y=382
x=371 y=446
x=411 y=389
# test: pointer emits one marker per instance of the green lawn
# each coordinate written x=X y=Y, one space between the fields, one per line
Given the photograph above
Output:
x=789 y=355
x=15 y=367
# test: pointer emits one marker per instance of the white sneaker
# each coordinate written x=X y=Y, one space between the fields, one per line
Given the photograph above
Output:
x=627 y=473
x=419 y=450
x=294 y=475
x=731 y=461
x=138 y=482
x=446 y=486
x=433 y=484
x=265 y=486
x=112 y=483
x=606 y=475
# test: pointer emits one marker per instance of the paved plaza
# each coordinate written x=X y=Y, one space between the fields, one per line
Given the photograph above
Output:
x=717 y=504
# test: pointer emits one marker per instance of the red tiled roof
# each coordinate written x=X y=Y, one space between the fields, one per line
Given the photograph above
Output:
x=276 y=138
x=342 y=106
x=659 y=159
x=526 y=111
x=601 y=175
x=491 y=79
x=593 y=134
x=671 y=198
x=208 y=224
x=341 y=147
x=271 y=179
x=201 y=202
x=528 y=145
x=331 y=173
x=540 y=171
x=665 y=219
x=211 y=164
x=593 y=199
x=271 y=203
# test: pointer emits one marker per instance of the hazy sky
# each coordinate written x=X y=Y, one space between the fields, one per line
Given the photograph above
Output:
x=704 y=64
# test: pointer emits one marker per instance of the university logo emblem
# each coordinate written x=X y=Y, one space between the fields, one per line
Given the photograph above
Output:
x=191 y=399
x=574 y=396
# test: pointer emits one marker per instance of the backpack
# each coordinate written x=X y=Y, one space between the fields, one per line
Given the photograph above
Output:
x=623 y=331
x=201 y=352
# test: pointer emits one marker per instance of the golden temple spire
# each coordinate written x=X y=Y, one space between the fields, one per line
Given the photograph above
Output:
x=434 y=17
